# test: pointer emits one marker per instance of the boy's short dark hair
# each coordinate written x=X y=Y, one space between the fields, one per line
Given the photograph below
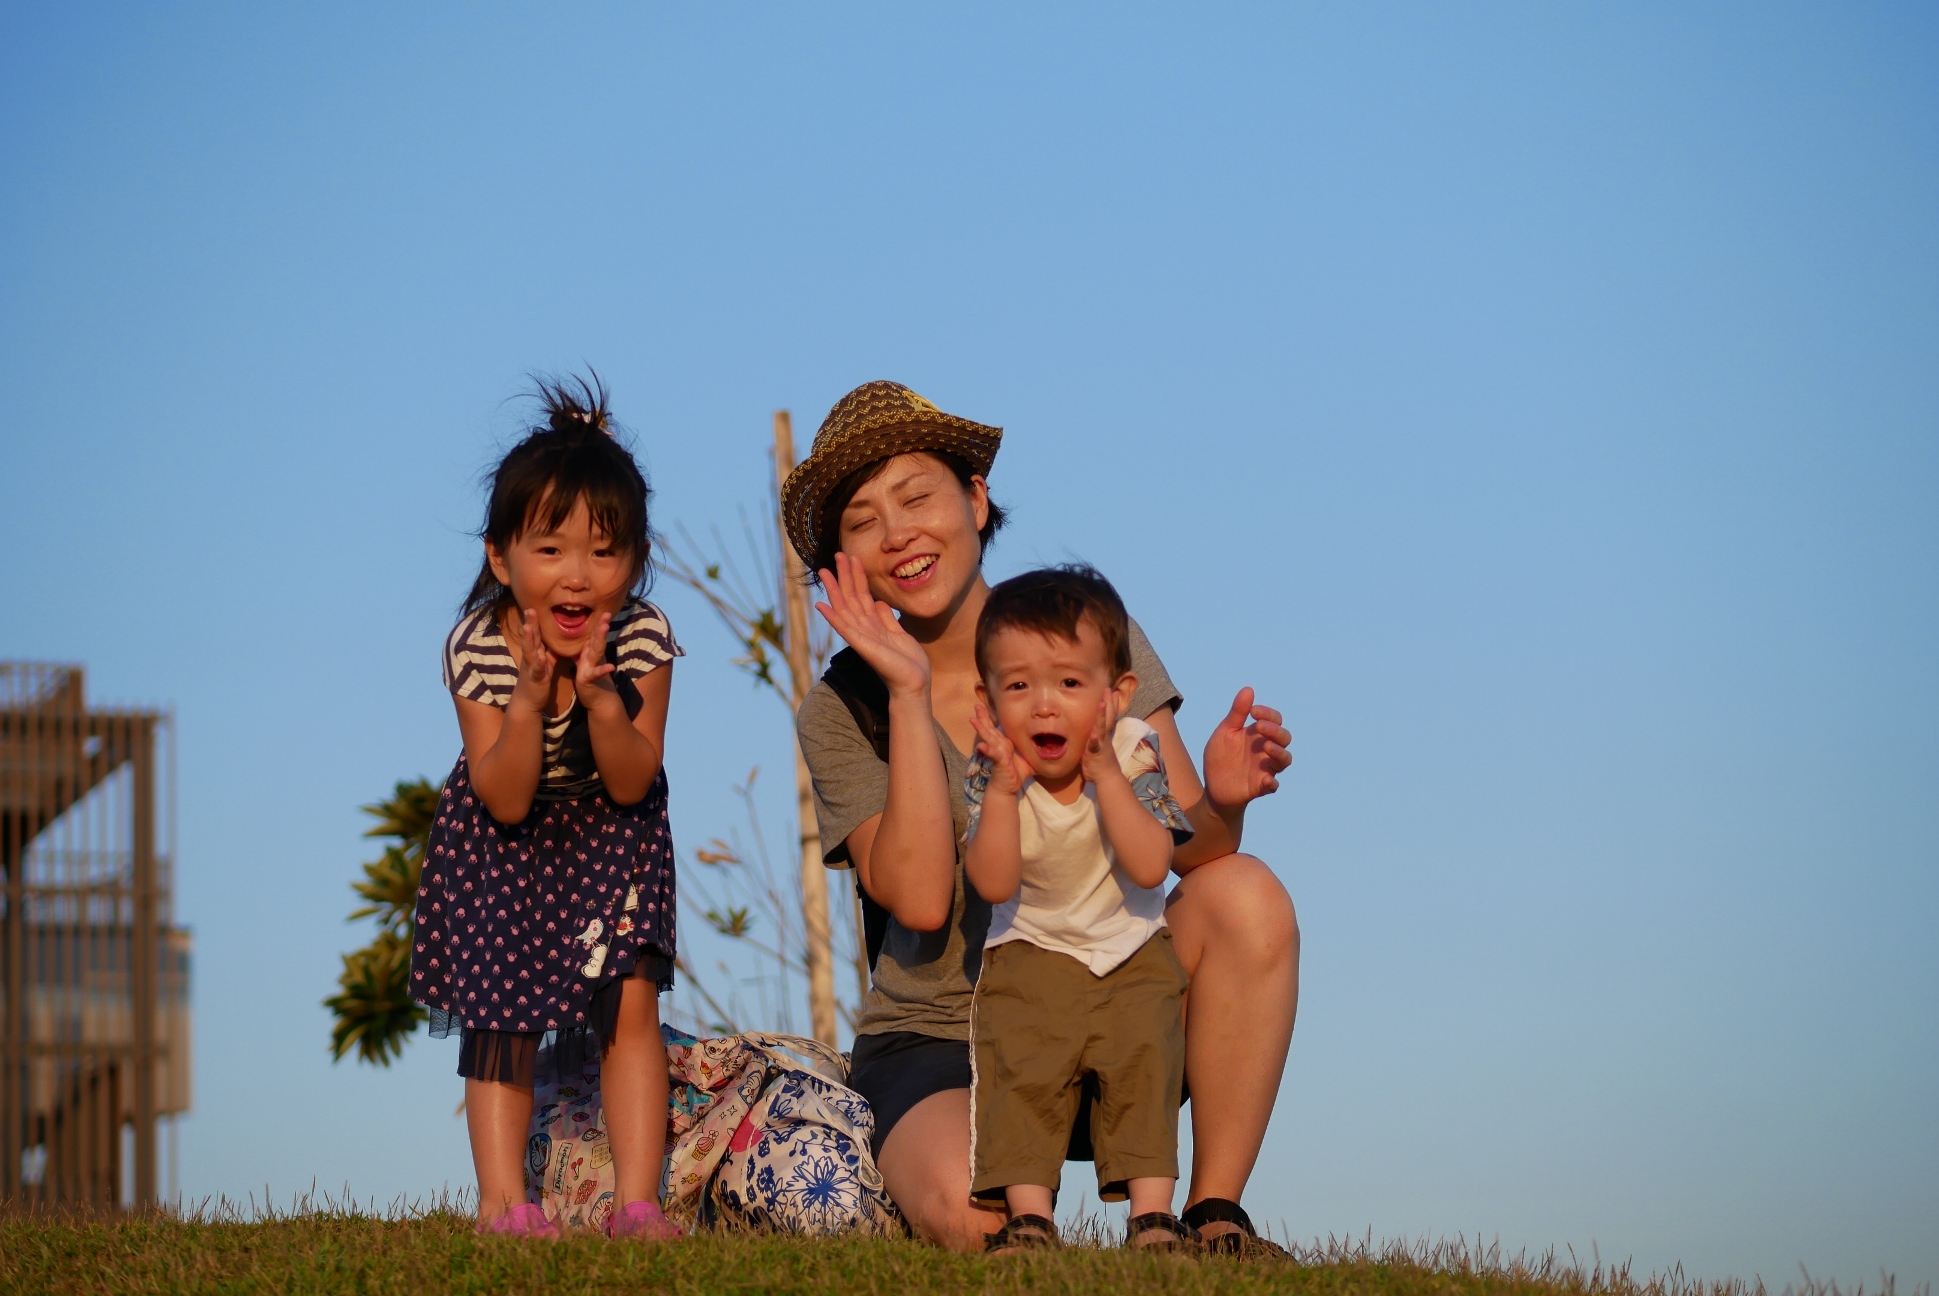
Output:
x=1052 y=601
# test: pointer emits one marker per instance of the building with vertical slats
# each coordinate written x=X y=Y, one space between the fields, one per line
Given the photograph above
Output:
x=94 y=973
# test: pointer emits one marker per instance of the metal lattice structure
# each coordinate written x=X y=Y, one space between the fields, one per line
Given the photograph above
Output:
x=94 y=975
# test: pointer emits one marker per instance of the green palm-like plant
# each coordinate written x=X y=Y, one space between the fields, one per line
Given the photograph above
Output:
x=372 y=1007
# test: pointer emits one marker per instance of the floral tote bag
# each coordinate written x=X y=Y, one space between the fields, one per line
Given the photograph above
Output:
x=761 y=1133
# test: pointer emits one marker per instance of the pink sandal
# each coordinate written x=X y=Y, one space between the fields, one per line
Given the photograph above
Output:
x=642 y=1219
x=524 y=1220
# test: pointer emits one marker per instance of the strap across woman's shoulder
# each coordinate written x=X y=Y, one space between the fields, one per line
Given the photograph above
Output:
x=862 y=691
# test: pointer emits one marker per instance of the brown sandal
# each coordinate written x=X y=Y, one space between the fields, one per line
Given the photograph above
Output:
x=1246 y=1244
x=1183 y=1239
x=1023 y=1233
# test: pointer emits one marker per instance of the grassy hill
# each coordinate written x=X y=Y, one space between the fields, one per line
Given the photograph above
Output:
x=416 y=1254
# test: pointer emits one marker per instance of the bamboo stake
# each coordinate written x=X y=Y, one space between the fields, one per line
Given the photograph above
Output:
x=814 y=877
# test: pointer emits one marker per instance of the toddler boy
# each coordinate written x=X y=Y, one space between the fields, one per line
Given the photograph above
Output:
x=1071 y=829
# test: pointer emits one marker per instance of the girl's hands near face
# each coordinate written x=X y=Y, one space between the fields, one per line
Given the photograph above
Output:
x=1243 y=760
x=592 y=673
x=871 y=629
x=1100 y=760
x=535 y=664
x=1008 y=771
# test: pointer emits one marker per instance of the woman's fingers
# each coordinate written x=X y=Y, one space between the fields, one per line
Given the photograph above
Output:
x=1274 y=734
x=854 y=586
x=1241 y=710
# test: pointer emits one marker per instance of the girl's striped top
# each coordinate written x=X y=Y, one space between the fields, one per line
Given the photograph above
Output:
x=478 y=666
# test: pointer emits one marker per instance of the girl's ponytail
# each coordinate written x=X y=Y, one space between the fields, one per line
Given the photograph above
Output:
x=571 y=412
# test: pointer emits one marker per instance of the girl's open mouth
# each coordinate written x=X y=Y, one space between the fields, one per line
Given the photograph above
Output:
x=1049 y=745
x=571 y=618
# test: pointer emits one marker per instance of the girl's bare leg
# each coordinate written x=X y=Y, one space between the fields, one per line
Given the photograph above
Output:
x=1235 y=931
x=925 y=1166
x=498 y=1117
x=633 y=1091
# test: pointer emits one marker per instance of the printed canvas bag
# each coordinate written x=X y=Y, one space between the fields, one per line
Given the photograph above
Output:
x=800 y=1164
x=761 y=1132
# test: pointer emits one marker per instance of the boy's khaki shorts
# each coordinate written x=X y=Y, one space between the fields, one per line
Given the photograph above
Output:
x=1041 y=1022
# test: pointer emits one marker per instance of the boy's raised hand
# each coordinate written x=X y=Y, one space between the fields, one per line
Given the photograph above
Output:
x=1100 y=759
x=592 y=673
x=1008 y=770
x=870 y=628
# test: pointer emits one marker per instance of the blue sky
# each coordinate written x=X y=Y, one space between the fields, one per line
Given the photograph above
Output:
x=1539 y=404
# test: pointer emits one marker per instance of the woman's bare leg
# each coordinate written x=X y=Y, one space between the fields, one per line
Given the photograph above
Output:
x=1235 y=931
x=925 y=1166
x=498 y=1117
x=633 y=1092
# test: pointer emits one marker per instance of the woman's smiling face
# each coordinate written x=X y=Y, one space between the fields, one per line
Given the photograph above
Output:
x=568 y=576
x=913 y=528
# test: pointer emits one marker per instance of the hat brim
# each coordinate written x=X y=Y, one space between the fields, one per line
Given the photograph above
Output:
x=804 y=496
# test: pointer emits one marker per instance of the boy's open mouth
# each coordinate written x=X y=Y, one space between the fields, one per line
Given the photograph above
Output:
x=1049 y=745
x=571 y=618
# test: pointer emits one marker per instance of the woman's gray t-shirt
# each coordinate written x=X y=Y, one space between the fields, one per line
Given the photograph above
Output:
x=923 y=980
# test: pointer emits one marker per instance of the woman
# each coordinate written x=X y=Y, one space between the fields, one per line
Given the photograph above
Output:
x=892 y=510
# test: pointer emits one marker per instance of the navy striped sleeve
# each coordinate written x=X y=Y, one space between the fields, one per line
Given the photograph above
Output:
x=643 y=640
x=477 y=664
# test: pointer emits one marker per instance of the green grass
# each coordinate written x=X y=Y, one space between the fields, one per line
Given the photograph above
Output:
x=418 y=1252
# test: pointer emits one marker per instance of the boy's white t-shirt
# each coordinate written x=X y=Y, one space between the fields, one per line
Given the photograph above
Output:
x=1074 y=899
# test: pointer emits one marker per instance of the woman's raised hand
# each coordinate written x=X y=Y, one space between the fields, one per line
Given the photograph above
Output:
x=592 y=673
x=871 y=629
x=1245 y=754
x=1008 y=770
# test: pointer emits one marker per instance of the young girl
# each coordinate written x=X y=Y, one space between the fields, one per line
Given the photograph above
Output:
x=546 y=906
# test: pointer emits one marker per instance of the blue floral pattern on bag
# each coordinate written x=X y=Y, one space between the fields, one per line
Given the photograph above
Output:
x=800 y=1164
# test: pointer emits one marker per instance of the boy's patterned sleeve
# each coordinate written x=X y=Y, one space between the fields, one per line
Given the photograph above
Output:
x=1145 y=767
x=975 y=784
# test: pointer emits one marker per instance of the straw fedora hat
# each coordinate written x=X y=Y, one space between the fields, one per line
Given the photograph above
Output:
x=875 y=421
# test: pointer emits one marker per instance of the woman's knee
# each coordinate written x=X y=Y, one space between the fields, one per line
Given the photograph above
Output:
x=938 y=1209
x=925 y=1168
x=958 y=1225
x=1238 y=904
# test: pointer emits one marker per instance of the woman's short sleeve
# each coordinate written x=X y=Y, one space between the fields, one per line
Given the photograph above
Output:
x=643 y=639
x=1155 y=688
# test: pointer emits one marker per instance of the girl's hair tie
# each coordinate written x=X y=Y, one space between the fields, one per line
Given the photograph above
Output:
x=575 y=418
